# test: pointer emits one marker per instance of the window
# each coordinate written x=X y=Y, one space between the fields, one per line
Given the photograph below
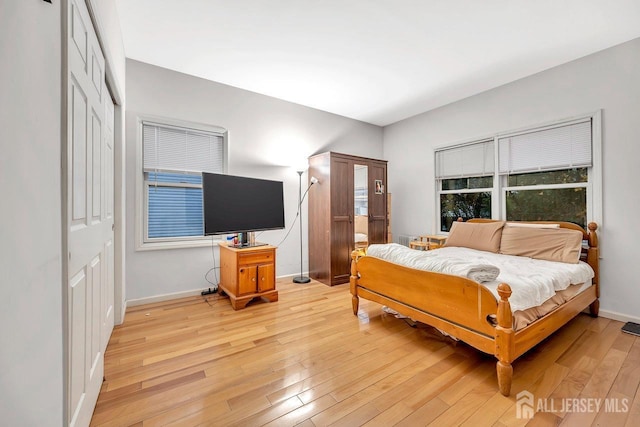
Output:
x=545 y=173
x=173 y=159
x=560 y=195
x=465 y=177
x=174 y=205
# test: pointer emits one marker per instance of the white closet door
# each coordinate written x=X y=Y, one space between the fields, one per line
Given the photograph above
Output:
x=89 y=214
x=108 y=290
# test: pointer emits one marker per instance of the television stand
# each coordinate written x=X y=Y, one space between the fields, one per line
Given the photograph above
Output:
x=247 y=273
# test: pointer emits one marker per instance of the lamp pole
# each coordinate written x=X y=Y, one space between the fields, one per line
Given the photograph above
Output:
x=301 y=278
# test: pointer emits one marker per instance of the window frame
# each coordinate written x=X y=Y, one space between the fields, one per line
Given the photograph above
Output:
x=143 y=242
x=500 y=182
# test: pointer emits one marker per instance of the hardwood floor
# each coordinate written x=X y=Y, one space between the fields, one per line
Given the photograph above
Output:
x=307 y=360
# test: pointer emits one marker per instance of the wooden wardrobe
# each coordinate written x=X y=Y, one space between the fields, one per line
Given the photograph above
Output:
x=348 y=186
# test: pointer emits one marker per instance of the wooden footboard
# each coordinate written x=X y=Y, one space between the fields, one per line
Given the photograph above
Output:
x=457 y=305
x=464 y=308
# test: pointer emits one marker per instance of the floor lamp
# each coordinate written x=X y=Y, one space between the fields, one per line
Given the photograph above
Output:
x=301 y=278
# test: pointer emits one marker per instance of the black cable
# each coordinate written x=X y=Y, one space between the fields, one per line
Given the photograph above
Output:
x=296 y=218
x=214 y=298
x=213 y=257
x=305 y=195
x=207 y=274
x=290 y=228
x=214 y=268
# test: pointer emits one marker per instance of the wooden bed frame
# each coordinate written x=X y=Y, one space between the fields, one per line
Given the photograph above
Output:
x=466 y=309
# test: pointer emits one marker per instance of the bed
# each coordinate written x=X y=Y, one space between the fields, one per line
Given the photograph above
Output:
x=468 y=310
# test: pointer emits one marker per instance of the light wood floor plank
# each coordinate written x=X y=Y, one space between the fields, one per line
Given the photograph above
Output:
x=425 y=414
x=307 y=360
x=625 y=386
x=423 y=395
x=304 y=412
x=573 y=384
x=597 y=387
x=628 y=379
x=489 y=412
x=384 y=395
x=465 y=407
x=634 y=413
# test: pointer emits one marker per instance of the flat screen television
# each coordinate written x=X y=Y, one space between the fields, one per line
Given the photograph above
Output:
x=236 y=204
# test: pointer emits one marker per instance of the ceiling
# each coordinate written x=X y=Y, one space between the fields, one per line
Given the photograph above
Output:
x=378 y=61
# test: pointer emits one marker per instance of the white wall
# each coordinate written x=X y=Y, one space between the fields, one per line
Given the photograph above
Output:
x=31 y=357
x=31 y=336
x=608 y=80
x=108 y=26
x=265 y=136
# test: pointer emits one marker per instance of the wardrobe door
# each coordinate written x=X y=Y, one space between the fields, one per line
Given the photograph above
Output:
x=319 y=199
x=377 y=202
x=341 y=218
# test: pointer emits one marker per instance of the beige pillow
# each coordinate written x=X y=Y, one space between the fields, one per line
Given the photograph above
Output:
x=551 y=244
x=483 y=236
x=532 y=225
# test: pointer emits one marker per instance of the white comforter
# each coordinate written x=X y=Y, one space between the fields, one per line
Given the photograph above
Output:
x=532 y=281
x=474 y=269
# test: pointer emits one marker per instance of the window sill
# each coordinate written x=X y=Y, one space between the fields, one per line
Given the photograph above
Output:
x=178 y=244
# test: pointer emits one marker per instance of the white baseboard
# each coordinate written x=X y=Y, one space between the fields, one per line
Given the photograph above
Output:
x=124 y=312
x=618 y=316
x=174 y=295
x=163 y=297
x=292 y=275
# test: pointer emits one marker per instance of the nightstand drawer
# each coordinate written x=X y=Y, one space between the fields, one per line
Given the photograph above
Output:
x=255 y=258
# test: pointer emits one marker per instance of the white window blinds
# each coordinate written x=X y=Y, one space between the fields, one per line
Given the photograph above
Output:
x=185 y=150
x=561 y=147
x=465 y=161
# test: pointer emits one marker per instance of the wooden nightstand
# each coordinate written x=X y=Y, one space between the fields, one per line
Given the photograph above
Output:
x=248 y=273
x=427 y=242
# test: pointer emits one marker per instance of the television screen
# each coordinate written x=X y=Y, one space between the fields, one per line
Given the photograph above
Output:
x=235 y=204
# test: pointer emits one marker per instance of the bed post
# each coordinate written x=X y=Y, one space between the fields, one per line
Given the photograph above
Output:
x=593 y=260
x=504 y=340
x=353 y=282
